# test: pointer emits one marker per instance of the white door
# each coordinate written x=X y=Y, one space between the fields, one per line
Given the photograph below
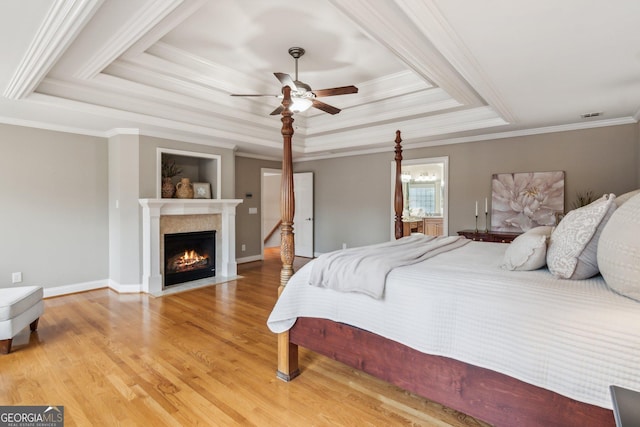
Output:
x=303 y=218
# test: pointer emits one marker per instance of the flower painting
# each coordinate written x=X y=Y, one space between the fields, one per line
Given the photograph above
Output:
x=522 y=201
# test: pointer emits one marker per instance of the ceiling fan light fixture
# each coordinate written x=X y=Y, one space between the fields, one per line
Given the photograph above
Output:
x=299 y=105
x=302 y=97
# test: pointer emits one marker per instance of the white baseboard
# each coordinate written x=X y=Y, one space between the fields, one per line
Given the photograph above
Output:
x=56 y=291
x=125 y=289
x=249 y=259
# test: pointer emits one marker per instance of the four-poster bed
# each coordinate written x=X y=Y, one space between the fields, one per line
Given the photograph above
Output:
x=498 y=398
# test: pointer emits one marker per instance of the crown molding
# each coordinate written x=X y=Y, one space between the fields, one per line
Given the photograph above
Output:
x=422 y=127
x=409 y=44
x=168 y=67
x=148 y=15
x=130 y=98
x=152 y=124
x=64 y=21
x=427 y=17
x=50 y=126
x=258 y=157
x=408 y=145
x=121 y=131
x=411 y=105
x=171 y=21
x=196 y=68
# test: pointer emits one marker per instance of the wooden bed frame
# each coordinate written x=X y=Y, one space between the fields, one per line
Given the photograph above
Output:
x=484 y=394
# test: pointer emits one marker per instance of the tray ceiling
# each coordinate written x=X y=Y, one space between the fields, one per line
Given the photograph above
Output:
x=442 y=71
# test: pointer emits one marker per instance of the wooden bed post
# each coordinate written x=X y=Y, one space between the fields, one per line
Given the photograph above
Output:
x=398 y=200
x=287 y=352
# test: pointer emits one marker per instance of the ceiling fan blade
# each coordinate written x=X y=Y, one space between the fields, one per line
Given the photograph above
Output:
x=325 y=107
x=277 y=111
x=344 y=90
x=252 y=94
x=286 y=80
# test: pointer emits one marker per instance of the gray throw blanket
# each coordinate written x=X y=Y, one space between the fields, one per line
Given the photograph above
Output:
x=365 y=269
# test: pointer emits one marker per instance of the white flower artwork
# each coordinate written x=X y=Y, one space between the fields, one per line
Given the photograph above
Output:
x=522 y=201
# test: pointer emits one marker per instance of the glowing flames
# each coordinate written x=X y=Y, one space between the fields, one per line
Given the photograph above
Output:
x=189 y=260
x=191 y=257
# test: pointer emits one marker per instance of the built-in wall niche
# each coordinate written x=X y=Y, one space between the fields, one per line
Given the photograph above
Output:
x=198 y=167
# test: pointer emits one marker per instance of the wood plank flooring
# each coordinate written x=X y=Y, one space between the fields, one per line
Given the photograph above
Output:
x=198 y=358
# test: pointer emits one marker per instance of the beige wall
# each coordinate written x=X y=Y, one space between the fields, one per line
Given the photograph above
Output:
x=638 y=156
x=56 y=203
x=248 y=180
x=70 y=215
x=53 y=218
x=353 y=194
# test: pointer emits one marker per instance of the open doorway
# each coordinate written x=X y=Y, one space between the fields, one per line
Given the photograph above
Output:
x=303 y=220
x=426 y=195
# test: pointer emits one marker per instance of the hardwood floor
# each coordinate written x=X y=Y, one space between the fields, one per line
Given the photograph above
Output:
x=198 y=358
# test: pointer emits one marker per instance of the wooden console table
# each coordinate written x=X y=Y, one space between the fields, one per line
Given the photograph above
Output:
x=489 y=236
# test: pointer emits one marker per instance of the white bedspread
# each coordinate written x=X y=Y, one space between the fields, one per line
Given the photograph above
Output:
x=364 y=269
x=572 y=337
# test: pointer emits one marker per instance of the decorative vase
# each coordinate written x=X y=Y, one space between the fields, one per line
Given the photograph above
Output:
x=184 y=189
x=168 y=189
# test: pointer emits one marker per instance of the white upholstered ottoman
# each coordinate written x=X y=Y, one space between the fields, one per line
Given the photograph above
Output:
x=19 y=307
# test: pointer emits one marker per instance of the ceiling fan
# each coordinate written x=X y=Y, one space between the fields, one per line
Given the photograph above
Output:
x=302 y=96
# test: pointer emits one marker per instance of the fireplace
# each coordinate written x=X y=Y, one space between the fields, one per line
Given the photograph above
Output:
x=189 y=256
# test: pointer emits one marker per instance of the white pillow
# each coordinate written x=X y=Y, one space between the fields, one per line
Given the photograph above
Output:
x=572 y=252
x=625 y=197
x=619 y=249
x=528 y=251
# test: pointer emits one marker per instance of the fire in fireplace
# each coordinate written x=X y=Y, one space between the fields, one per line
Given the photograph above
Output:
x=189 y=256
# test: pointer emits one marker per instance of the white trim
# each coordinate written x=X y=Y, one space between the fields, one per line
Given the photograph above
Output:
x=64 y=21
x=125 y=289
x=50 y=126
x=182 y=130
x=148 y=16
x=215 y=157
x=152 y=209
x=264 y=172
x=55 y=291
x=258 y=156
x=428 y=18
x=408 y=44
x=423 y=127
x=475 y=138
x=122 y=131
x=251 y=258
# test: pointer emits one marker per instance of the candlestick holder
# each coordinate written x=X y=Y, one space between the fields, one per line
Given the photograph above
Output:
x=476 y=223
x=486 y=222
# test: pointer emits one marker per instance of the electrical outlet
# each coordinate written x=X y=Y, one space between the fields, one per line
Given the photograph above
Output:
x=344 y=246
x=16 y=277
x=243 y=247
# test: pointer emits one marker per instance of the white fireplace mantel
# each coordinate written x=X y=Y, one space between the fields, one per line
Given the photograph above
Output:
x=152 y=209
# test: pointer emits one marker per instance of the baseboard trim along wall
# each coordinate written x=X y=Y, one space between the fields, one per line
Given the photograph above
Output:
x=56 y=291
x=249 y=259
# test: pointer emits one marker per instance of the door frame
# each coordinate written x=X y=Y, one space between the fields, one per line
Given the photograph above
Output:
x=263 y=201
x=445 y=186
x=265 y=172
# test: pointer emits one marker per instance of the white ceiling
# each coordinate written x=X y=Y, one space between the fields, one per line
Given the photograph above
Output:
x=442 y=71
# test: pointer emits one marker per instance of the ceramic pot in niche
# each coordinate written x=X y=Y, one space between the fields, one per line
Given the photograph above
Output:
x=184 y=189
x=168 y=189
